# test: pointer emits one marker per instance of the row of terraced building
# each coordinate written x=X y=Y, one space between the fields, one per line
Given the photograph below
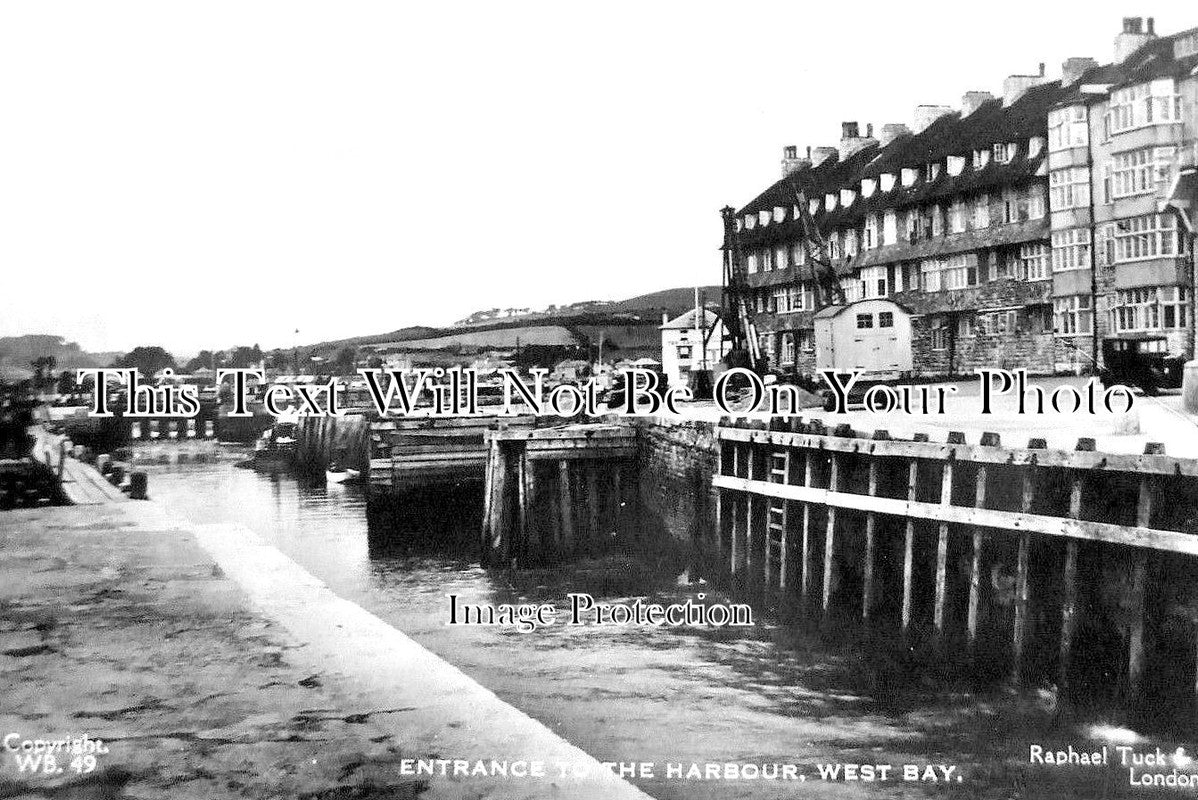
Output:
x=1019 y=230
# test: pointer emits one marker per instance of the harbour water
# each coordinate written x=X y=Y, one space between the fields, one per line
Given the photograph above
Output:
x=768 y=695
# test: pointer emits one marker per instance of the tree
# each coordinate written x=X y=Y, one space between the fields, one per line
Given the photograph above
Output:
x=206 y=360
x=343 y=364
x=146 y=359
x=43 y=371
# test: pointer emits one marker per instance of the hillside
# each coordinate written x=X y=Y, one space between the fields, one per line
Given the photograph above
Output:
x=630 y=324
x=18 y=351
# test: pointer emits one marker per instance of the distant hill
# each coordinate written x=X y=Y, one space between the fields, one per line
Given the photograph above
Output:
x=18 y=351
x=570 y=325
x=674 y=301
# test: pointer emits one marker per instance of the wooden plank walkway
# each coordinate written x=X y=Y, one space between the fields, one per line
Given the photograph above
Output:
x=81 y=483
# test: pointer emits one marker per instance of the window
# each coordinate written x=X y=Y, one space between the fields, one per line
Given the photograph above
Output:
x=1073 y=314
x=998 y=323
x=1150 y=236
x=807 y=341
x=798 y=254
x=684 y=352
x=780 y=304
x=1038 y=318
x=834 y=245
x=766 y=340
x=767 y=260
x=1139 y=171
x=1010 y=207
x=981 y=212
x=889 y=227
x=869 y=238
x=851 y=289
x=981 y=158
x=1035 y=203
x=1004 y=152
x=807 y=293
x=1071 y=249
x=788 y=348
x=873 y=282
x=1150 y=309
x=751 y=263
x=865 y=321
x=886 y=319
x=960 y=271
x=931 y=171
x=929 y=270
x=937 y=221
x=1146 y=104
x=1067 y=128
x=939 y=331
x=780 y=257
x=1033 y=261
x=850 y=244
x=965 y=326
x=956 y=217
x=1070 y=188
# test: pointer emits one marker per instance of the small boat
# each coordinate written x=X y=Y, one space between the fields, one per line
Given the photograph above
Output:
x=334 y=475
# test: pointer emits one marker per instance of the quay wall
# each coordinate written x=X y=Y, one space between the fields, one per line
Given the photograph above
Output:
x=677 y=462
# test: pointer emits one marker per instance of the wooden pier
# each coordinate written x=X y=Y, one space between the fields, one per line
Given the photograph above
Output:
x=414 y=452
x=558 y=492
x=1021 y=549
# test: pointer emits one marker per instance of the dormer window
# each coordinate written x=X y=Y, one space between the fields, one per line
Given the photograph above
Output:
x=847 y=197
x=830 y=201
x=956 y=165
x=1004 y=152
x=763 y=217
x=931 y=171
x=750 y=221
x=812 y=206
x=868 y=187
x=887 y=182
x=779 y=213
x=981 y=158
x=1035 y=146
x=909 y=176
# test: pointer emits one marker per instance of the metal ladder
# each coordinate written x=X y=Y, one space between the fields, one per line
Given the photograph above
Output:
x=776 y=522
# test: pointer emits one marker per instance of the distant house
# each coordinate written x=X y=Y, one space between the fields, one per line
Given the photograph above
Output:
x=569 y=371
x=691 y=342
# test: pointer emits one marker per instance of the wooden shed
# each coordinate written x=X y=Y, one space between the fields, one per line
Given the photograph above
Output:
x=873 y=336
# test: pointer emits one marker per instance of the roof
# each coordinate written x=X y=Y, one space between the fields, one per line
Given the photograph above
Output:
x=950 y=135
x=687 y=321
x=827 y=312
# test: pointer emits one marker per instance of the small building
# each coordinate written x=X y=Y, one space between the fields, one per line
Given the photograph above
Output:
x=689 y=343
x=872 y=336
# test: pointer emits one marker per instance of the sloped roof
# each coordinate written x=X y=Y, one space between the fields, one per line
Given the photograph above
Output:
x=687 y=321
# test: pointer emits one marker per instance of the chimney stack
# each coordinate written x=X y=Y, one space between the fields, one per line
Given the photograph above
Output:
x=971 y=101
x=851 y=139
x=891 y=131
x=1133 y=37
x=791 y=161
x=1015 y=86
x=821 y=154
x=925 y=115
x=1073 y=69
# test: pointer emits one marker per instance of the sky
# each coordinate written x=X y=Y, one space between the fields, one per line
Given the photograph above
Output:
x=202 y=175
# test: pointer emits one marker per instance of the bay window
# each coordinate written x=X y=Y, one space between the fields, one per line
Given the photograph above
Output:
x=1145 y=104
x=1074 y=314
x=1150 y=309
x=1033 y=261
x=1069 y=188
x=1067 y=128
x=1149 y=236
x=1071 y=249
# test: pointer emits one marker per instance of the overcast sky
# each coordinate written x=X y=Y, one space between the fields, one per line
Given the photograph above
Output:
x=218 y=173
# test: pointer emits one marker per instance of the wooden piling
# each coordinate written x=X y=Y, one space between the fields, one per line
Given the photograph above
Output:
x=1069 y=585
x=565 y=492
x=594 y=504
x=750 y=515
x=975 y=566
x=867 y=590
x=909 y=544
x=805 y=572
x=830 y=535
x=946 y=497
x=1139 y=584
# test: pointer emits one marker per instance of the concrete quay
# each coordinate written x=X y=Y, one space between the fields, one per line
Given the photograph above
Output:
x=212 y=666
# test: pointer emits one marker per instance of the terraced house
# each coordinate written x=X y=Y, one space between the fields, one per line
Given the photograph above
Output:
x=1019 y=230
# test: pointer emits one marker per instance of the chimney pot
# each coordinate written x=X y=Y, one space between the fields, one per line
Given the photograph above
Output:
x=1041 y=69
x=869 y=130
x=790 y=151
x=1151 y=26
x=849 y=130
